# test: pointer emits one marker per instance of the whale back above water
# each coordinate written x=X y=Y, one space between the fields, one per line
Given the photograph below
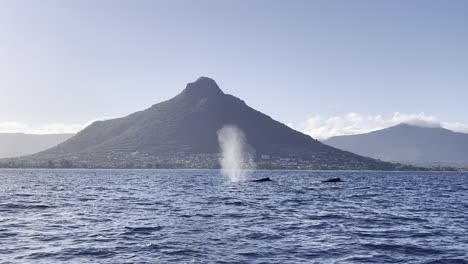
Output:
x=333 y=180
x=267 y=179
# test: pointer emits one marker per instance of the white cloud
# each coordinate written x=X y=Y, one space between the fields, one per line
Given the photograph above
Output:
x=316 y=126
x=54 y=128
x=458 y=127
x=353 y=123
x=12 y=127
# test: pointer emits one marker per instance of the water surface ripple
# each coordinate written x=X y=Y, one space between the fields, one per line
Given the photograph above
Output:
x=195 y=216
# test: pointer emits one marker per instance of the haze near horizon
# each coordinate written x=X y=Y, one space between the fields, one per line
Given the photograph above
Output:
x=325 y=68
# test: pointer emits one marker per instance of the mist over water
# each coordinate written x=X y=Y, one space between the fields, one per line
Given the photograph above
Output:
x=236 y=158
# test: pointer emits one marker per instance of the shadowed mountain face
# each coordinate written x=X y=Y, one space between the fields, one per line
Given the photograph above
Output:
x=187 y=125
x=409 y=144
x=18 y=144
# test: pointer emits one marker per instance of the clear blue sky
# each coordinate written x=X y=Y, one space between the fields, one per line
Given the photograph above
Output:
x=73 y=61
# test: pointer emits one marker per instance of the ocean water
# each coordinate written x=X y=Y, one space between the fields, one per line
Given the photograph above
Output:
x=196 y=216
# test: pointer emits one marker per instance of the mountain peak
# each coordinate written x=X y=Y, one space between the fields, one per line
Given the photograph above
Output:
x=203 y=87
x=418 y=125
x=182 y=132
x=408 y=143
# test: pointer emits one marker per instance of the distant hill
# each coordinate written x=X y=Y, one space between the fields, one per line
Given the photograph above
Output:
x=409 y=144
x=18 y=144
x=182 y=133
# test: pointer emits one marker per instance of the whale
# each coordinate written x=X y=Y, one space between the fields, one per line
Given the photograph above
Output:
x=267 y=179
x=332 y=180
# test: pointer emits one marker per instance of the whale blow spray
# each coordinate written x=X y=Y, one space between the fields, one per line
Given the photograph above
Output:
x=236 y=158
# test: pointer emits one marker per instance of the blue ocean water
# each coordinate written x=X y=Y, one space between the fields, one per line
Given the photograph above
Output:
x=196 y=216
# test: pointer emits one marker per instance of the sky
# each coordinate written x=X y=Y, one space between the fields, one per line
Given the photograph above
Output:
x=323 y=67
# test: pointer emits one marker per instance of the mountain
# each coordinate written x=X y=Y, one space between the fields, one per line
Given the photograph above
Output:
x=182 y=133
x=18 y=144
x=409 y=144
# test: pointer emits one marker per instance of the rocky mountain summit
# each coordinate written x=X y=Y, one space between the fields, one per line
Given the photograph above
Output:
x=182 y=133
